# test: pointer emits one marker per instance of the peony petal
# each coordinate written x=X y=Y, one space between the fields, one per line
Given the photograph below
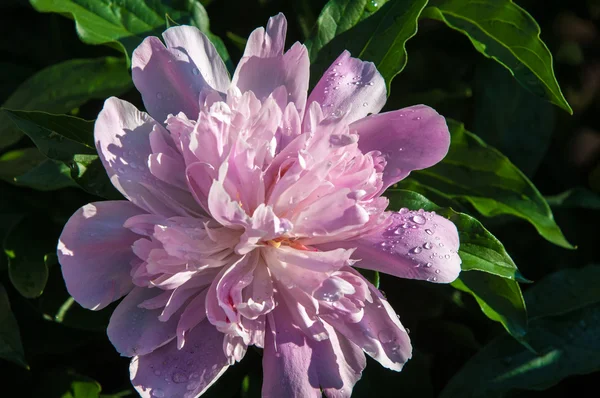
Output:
x=270 y=43
x=122 y=135
x=190 y=41
x=134 y=330
x=379 y=333
x=171 y=79
x=224 y=210
x=186 y=373
x=295 y=366
x=95 y=253
x=416 y=245
x=330 y=215
x=350 y=89
x=412 y=138
x=264 y=67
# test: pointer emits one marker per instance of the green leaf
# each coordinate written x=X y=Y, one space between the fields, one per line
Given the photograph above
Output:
x=69 y=140
x=63 y=87
x=522 y=127
x=67 y=384
x=372 y=276
x=565 y=343
x=564 y=291
x=123 y=24
x=489 y=274
x=11 y=347
x=49 y=175
x=26 y=245
x=503 y=31
x=577 y=197
x=475 y=173
x=18 y=162
x=500 y=299
x=379 y=37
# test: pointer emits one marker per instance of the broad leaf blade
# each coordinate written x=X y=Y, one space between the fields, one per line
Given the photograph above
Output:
x=63 y=87
x=123 y=24
x=479 y=175
x=26 y=245
x=564 y=338
x=500 y=299
x=379 y=37
x=502 y=30
x=522 y=127
x=69 y=140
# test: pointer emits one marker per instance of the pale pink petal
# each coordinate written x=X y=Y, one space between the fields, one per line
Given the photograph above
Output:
x=171 y=79
x=410 y=139
x=270 y=43
x=185 y=372
x=379 y=333
x=200 y=178
x=189 y=40
x=122 y=135
x=224 y=210
x=134 y=330
x=193 y=314
x=416 y=245
x=295 y=366
x=330 y=215
x=94 y=250
x=263 y=76
x=350 y=89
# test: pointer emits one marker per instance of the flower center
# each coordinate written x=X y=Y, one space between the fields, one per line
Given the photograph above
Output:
x=277 y=242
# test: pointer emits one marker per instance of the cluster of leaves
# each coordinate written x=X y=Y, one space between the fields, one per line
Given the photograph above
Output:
x=49 y=167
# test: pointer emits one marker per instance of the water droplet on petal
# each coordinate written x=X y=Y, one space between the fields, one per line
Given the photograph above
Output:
x=416 y=250
x=427 y=245
x=418 y=219
x=386 y=336
x=121 y=170
x=403 y=210
x=437 y=271
x=365 y=104
x=157 y=392
x=178 y=377
x=428 y=231
x=428 y=265
x=195 y=71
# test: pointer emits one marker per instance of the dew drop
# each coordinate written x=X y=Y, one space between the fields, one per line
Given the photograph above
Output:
x=427 y=245
x=418 y=219
x=403 y=210
x=178 y=377
x=437 y=271
x=365 y=104
x=428 y=231
x=157 y=392
x=447 y=256
x=386 y=336
x=428 y=265
x=416 y=250
x=195 y=71
x=121 y=170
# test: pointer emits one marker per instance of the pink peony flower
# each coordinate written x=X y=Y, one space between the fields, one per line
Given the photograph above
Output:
x=248 y=204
